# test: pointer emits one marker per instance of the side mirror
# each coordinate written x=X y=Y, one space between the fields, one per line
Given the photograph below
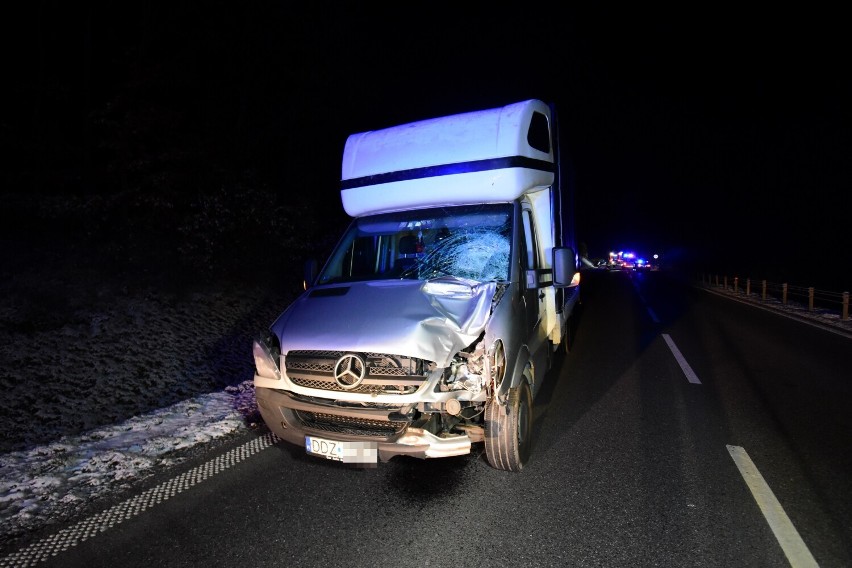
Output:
x=564 y=266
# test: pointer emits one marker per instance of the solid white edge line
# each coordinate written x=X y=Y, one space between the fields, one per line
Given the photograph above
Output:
x=69 y=537
x=788 y=537
x=687 y=370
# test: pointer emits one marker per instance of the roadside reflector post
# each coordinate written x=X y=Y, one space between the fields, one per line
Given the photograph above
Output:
x=811 y=299
x=736 y=285
x=845 y=314
x=784 y=293
x=763 y=289
x=748 y=286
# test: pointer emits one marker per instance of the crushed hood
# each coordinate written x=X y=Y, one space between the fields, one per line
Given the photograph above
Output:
x=432 y=320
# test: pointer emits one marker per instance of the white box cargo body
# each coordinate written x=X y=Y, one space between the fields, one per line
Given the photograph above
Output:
x=481 y=157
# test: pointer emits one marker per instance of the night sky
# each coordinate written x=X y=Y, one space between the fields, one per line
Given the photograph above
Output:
x=720 y=136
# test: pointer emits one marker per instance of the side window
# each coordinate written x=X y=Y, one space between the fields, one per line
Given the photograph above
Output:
x=360 y=257
x=538 y=135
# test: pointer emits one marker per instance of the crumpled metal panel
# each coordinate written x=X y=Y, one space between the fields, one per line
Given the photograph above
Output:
x=432 y=320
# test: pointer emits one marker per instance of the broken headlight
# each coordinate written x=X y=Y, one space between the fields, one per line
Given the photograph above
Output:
x=267 y=354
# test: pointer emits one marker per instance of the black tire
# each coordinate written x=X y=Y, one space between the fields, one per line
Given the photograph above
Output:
x=508 y=430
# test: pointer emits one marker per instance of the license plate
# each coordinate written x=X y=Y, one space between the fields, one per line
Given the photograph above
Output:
x=346 y=452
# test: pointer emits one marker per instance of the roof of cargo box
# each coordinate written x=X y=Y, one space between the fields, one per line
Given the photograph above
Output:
x=483 y=156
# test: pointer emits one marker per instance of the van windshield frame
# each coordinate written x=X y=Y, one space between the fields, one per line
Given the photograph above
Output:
x=472 y=242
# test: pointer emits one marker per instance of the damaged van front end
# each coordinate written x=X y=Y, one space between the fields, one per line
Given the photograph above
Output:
x=389 y=363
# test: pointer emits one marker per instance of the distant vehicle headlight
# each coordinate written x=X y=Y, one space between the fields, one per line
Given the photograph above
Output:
x=266 y=356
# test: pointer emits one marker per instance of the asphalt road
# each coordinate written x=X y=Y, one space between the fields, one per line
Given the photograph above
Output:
x=682 y=429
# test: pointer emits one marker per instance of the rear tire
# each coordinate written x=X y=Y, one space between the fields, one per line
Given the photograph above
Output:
x=508 y=430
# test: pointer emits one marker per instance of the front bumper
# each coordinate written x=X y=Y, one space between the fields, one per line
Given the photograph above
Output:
x=291 y=419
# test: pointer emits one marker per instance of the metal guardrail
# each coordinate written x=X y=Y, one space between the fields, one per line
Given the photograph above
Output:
x=799 y=298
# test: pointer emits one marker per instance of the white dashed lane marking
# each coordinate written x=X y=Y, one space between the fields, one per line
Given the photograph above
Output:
x=687 y=370
x=794 y=548
x=788 y=537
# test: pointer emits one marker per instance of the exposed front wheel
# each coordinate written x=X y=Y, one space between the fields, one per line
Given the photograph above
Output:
x=508 y=430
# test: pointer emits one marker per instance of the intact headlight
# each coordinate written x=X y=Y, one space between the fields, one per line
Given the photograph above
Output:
x=266 y=356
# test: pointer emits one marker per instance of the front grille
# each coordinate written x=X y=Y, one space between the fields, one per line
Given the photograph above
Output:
x=365 y=389
x=386 y=374
x=350 y=424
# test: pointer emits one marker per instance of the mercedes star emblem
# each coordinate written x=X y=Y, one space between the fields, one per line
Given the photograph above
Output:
x=349 y=371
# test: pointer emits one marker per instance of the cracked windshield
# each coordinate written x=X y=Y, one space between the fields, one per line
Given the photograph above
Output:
x=463 y=242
